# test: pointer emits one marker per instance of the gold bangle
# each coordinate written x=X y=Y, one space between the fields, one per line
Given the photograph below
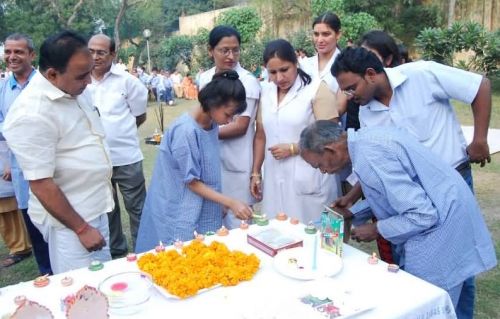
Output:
x=256 y=175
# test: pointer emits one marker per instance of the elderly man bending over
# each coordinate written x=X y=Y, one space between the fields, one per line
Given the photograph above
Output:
x=422 y=204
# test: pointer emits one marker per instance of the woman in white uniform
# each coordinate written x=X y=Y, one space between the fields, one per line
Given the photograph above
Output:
x=235 y=138
x=326 y=33
x=288 y=104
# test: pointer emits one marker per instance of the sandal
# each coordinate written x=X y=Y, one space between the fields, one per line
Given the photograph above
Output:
x=14 y=259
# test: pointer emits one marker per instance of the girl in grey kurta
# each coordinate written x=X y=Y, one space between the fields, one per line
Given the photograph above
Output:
x=185 y=191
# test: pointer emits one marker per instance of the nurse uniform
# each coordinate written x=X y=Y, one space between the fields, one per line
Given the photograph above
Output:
x=291 y=185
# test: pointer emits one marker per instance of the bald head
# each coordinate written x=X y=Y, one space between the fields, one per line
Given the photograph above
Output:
x=104 y=39
x=102 y=49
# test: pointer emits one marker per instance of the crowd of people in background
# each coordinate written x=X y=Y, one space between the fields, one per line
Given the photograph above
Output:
x=275 y=134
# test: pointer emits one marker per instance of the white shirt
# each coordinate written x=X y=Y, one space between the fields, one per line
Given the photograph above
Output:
x=421 y=104
x=55 y=135
x=176 y=78
x=311 y=66
x=120 y=98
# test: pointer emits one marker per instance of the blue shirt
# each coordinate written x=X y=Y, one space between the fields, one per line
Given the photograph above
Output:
x=172 y=211
x=423 y=206
x=9 y=91
x=420 y=103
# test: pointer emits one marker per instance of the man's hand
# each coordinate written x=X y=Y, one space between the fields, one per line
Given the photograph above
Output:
x=479 y=152
x=346 y=213
x=92 y=239
x=342 y=202
x=365 y=233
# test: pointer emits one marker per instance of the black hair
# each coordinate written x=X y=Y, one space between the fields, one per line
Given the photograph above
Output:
x=21 y=36
x=57 y=50
x=356 y=60
x=330 y=19
x=384 y=44
x=224 y=87
x=283 y=50
x=403 y=52
x=220 y=32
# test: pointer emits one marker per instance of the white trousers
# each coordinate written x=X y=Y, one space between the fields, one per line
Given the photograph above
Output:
x=65 y=250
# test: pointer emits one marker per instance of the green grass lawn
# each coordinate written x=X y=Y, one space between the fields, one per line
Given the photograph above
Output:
x=486 y=183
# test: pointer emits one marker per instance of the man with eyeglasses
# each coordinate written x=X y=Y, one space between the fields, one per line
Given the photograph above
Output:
x=121 y=100
x=416 y=97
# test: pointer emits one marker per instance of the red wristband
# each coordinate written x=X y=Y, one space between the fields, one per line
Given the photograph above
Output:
x=80 y=230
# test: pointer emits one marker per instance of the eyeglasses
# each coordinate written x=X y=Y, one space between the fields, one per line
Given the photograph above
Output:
x=349 y=93
x=226 y=51
x=99 y=53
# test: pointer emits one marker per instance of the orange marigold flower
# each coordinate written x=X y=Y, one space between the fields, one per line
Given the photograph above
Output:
x=198 y=267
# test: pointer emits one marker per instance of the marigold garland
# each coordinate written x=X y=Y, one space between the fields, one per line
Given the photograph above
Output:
x=198 y=267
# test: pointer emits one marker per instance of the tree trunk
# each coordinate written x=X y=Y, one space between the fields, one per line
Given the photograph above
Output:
x=118 y=20
x=75 y=10
x=451 y=12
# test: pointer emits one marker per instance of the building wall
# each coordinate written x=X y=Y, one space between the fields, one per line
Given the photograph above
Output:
x=189 y=25
x=485 y=12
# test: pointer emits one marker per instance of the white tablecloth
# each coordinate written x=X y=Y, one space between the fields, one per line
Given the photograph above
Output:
x=267 y=295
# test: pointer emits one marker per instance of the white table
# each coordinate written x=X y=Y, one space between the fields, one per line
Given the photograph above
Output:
x=267 y=295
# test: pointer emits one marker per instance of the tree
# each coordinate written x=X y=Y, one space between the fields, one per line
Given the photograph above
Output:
x=302 y=40
x=354 y=23
x=440 y=45
x=245 y=20
x=175 y=49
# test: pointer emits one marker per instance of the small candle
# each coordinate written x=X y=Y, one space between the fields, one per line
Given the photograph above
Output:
x=178 y=244
x=373 y=260
x=66 y=281
x=281 y=216
x=96 y=265
x=199 y=237
x=20 y=300
x=223 y=231
x=160 y=247
x=243 y=225
x=393 y=268
x=310 y=228
x=42 y=281
x=131 y=257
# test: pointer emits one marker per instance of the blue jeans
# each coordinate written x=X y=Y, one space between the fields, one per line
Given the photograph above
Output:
x=39 y=245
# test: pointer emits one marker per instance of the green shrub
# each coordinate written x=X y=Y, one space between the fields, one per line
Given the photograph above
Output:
x=440 y=45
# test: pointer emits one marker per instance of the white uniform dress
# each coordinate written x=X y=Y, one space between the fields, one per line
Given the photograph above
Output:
x=291 y=185
x=310 y=66
x=237 y=153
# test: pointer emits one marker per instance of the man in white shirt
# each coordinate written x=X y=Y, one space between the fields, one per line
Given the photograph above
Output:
x=58 y=141
x=176 y=78
x=121 y=100
x=416 y=97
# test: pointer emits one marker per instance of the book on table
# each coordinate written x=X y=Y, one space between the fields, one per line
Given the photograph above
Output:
x=272 y=240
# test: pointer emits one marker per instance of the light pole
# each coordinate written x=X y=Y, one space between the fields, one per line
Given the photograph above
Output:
x=147 y=34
